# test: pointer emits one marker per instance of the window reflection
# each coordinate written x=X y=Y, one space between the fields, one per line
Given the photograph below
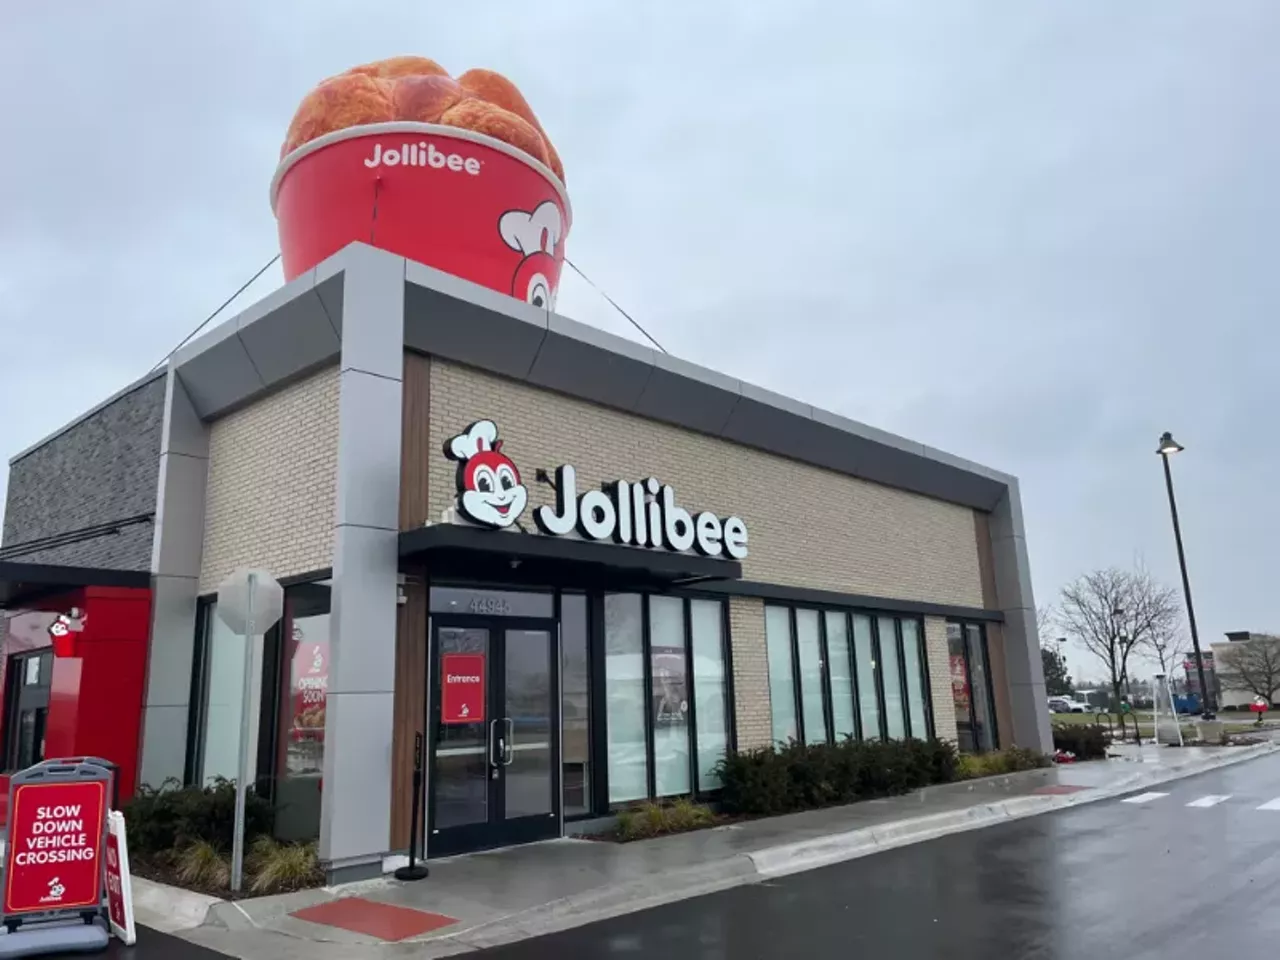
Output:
x=575 y=704
x=624 y=698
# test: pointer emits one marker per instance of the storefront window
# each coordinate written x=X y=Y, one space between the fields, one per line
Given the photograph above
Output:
x=881 y=679
x=304 y=639
x=913 y=665
x=625 y=697
x=670 y=713
x=809 y=644
x=865 y=657
x=710 y=689
x=970 y=687
x=670 y=748
x=840 y=669
x=575 y=707
x=980 y=683
x=782 y=684
x=222 y=701
x=894 y=713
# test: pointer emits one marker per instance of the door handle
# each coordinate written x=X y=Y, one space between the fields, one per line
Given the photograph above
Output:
x=510 y=752
x=495 y=757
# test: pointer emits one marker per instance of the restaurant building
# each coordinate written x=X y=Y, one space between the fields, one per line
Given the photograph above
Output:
x=583 y=570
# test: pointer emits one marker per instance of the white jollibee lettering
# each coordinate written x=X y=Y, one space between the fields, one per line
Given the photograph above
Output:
x=423 y=154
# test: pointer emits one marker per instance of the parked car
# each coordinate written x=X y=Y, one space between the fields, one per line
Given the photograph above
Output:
x=1068 y=705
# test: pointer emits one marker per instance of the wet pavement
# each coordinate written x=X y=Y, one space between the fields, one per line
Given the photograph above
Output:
x=1189 y=869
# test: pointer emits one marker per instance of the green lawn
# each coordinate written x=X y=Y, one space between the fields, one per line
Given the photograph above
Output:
x=1145 y=726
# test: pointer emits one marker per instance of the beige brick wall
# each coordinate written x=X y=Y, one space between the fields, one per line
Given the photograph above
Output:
x=272 y=476
x=752 y=717
x=939 y=654
x=808 y=526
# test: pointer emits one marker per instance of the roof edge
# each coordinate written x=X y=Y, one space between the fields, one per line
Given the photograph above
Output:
x=71 y=424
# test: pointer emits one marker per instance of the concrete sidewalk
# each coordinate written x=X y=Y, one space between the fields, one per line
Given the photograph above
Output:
x=486 y=899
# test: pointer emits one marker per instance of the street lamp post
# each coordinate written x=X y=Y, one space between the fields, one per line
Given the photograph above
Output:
x=1167 y=447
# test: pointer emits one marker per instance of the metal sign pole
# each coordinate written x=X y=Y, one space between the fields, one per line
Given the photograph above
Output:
x=242 y=778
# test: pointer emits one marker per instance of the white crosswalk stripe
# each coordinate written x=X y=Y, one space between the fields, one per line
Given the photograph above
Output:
x=1210 y=801
x=1144 y=798
x=1271 y=805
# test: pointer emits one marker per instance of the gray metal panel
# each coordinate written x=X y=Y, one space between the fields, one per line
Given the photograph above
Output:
x=369 y=449
x=330 y=293
x=179 y=536
x=366 y=566
x=843 y=425
x=164 y=744
x=373 y=299
x=217 y=371
x=469 y=333
x=294 y=337
x=775 y=423
x=688 y=395
x=968 y=466
x=606 y=369
x=173 y=602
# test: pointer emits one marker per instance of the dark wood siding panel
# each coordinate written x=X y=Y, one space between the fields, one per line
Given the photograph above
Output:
x=407 y=707
x=415 y=441
x=986 y=565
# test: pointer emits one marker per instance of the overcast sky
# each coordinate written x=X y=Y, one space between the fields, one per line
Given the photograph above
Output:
x=1034 y=235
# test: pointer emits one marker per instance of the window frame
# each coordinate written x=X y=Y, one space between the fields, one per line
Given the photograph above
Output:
x=600 y=785
x=877 y=640
x=989 y=692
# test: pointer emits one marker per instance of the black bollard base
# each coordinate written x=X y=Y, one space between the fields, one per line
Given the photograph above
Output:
x=415 y=871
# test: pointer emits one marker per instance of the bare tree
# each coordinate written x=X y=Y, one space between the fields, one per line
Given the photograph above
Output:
x=1253 y=665
x=1047 y=626
x=1164 y=647
x=1114 y=612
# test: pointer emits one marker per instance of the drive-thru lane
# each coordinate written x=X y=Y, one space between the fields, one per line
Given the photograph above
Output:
x=1190 y=871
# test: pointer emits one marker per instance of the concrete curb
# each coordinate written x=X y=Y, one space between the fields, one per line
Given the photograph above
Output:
x=269 y=914
x=169 y=909
x=811 y=854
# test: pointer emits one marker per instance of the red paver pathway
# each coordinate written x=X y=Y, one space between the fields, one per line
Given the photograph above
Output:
x=383 y=920
x=1057 y=788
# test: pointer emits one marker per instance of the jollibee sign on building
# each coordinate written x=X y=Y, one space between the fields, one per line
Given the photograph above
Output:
x=458 y=174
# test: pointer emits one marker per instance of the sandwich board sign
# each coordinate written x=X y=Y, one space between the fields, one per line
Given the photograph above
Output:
x=119 y=882
x=54 y=857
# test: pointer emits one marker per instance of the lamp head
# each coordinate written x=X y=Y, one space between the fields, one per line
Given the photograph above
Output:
x=1168 y=445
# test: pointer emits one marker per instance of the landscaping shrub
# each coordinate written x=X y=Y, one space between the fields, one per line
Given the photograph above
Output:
x=797 y=776
x=201 y=865
x=1086 y=742
x=171 y=818
x=651 y=819
x=279 y=867
x=999 y=763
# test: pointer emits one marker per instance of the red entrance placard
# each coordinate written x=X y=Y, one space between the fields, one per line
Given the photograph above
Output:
x=462 y=688
x=54 y=860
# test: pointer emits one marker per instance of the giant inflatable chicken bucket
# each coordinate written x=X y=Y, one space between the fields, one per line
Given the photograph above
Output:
x=457 y=174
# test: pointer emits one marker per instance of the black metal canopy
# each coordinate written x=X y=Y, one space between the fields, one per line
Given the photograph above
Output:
x=451 y=550
x=24 y=583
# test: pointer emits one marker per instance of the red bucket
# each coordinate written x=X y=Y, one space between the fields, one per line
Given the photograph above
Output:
x=452 y=199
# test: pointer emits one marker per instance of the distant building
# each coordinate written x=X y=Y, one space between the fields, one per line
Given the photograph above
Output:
x=1231 y=693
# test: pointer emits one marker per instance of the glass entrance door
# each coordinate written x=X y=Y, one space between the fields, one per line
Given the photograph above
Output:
x=495 y=734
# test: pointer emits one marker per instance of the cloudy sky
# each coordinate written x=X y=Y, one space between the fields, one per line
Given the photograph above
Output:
x=1035 y=235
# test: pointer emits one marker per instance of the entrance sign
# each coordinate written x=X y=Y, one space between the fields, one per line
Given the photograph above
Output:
x=119 y=881
x=462 y=688
x=643 y=514
x=249 y=602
